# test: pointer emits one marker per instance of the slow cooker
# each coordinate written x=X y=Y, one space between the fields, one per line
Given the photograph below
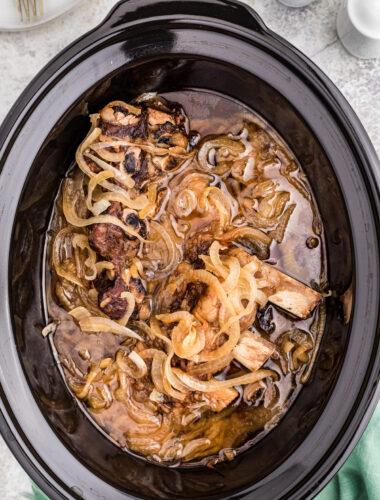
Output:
x=221 y=46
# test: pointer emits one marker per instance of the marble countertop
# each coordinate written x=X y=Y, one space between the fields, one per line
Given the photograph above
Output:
x=311 y=29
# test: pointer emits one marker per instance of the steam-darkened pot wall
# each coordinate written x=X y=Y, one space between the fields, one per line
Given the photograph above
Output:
x=51 y=164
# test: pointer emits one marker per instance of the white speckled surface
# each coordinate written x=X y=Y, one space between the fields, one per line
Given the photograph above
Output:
x=311 y=29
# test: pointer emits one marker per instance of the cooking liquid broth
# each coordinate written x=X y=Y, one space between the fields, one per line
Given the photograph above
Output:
x=300 y=254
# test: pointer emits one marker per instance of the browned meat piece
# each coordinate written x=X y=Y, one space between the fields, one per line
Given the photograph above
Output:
x=193 y=293
x=133 y=160
x=111 y=242
x=117 y=121
x=188 y=299
x=252 y=350
x=176 y=294
x=155 y=122
x=110 y=301
x=134 y=131
x=108 y=241
x=132 y=219
x=161 y=111
x=166 y=122
x=93 y=166
x=102 y=282
x=198 y=244
x=109 y=295
x=156 y=117
x=166 y=163
x=164 y=133
x=218 y=400
x=136 y=163
x=136 y=287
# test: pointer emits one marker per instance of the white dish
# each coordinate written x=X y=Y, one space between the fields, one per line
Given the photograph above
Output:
x=359 y=27
x=296 y=3
x=10 y=19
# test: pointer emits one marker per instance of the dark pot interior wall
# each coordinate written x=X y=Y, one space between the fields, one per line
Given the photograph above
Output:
x=51 y=164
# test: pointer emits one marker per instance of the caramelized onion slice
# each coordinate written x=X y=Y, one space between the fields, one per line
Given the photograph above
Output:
x=104 y=264
x=162 y=375
x=211 y=146
x=252 y=294
x=80 y=313
x=173 y=386
x=50 y=328
x=216 y=261
x=185 y=202
x=138 y=203
x=132 y=364
x=123 y=178
x=187 y=341
x=59 y=244
x=168 y=262
x=214 y=196
x=233 y=333
x=101 y=205
x=81 y=241
x=211 y=366
x=130 y=307
x=246 y=232
x=157 y=370
x=108 y=155
x=94 y=372
x=214 y=385
x=94 y=324
x=232 y=279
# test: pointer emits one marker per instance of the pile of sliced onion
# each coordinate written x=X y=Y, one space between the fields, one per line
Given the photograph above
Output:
x=75 y=220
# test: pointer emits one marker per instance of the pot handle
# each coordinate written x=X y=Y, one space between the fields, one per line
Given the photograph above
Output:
x=130 y=13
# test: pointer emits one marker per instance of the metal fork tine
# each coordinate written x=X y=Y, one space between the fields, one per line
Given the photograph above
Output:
x=30 y=6
x=26 y=7
x=34 y=8
x=18 y=2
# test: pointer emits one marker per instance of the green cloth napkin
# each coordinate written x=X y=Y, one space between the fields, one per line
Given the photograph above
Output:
x=358 y=479
x=36 y=495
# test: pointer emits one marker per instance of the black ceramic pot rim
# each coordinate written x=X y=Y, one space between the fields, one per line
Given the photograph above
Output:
x=225 y=16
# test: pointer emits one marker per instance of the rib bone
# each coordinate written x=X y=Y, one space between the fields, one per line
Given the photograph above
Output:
x=285 y=292
x=292 y=295
x=252 y=350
